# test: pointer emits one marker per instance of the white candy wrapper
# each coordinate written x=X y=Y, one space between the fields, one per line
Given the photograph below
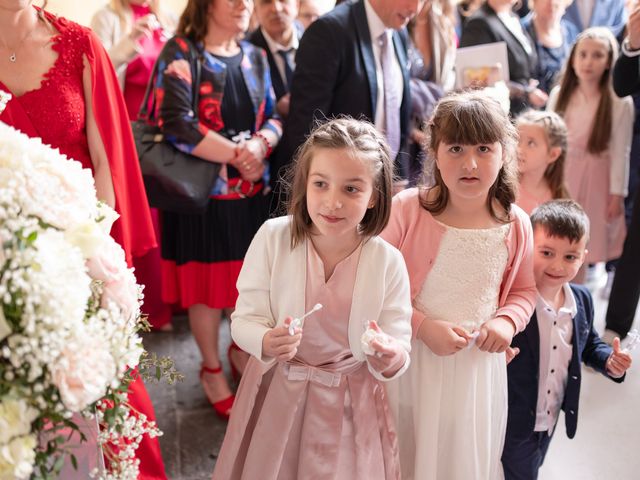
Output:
x=634 y=341
x=369 y=336
x=298 y=322
x=472 y=340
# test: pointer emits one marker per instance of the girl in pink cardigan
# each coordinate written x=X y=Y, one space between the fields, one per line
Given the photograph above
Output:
x=468 y=250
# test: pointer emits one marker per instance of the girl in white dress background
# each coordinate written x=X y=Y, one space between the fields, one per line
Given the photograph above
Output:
x=600 y=129
x=468 y=250
x=310 y=405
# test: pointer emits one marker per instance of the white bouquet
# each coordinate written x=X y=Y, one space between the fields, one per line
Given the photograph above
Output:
x=70 y=316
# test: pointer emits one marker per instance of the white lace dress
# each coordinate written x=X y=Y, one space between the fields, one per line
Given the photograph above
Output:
x=451 y=411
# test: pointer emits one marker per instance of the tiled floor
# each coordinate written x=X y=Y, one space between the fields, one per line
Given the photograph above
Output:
x=606 y=446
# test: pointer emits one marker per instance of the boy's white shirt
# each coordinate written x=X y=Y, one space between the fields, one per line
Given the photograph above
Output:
x=558 y=359
x=272 y=283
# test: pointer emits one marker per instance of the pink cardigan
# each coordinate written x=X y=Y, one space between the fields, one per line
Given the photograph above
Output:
x=417 y=235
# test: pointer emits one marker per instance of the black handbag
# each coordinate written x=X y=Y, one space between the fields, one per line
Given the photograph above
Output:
x=174 y=180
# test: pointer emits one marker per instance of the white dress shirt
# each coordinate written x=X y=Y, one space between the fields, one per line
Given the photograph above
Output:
x=585 y=9
x=376 y=29
x=556 y=348
x=275 y=47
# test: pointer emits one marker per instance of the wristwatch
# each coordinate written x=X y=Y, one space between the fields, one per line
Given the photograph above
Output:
x=627 y=50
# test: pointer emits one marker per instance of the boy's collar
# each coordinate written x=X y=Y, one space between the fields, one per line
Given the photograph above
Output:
x=569 y=305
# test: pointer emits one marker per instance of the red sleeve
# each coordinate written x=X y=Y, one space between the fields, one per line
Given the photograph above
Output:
x=134 y=230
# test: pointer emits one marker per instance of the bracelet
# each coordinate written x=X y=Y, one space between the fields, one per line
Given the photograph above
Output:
x=266 y=142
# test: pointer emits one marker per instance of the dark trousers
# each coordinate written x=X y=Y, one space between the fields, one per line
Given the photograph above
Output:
x=625 y=290
x=522 y=458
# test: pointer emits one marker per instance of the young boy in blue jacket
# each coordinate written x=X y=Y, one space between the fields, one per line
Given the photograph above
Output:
x=544 y=376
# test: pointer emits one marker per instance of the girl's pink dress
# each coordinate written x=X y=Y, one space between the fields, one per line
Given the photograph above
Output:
x=528 y=202
x=588 y=181
x=321 y=415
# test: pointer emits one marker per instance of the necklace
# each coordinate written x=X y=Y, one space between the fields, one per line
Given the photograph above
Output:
x=12 y=55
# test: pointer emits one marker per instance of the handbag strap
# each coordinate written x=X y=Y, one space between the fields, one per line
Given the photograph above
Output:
x=195 y=84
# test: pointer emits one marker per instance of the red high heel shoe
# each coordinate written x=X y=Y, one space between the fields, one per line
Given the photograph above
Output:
x=235 y=373
x=221 y=407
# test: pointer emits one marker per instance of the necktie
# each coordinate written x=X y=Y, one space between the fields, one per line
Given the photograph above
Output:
x=391 y=93
x=288 y=67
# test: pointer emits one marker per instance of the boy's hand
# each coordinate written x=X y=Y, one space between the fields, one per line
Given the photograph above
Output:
x=279 y=344
x=443 y=338
x=496 y=335
x=390 y=356
x=511 y=353
x=618 y=362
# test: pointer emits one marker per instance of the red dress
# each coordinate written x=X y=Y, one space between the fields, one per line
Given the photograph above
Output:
x=137 y=76
x=55 y=112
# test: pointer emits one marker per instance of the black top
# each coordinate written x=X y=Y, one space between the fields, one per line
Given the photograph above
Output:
x=236 y=107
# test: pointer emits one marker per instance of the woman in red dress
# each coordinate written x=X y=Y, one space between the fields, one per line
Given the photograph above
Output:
x=64 y=90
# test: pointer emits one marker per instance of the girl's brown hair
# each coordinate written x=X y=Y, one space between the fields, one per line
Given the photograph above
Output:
x=555 y=132
x=601 y=126
x=363 y=143
x=194 y=20
x=472 y=118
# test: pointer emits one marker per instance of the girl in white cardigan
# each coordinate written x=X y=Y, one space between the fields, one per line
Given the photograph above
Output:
x=306 y=400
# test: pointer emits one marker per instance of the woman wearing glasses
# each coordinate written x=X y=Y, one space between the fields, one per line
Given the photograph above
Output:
x=234 y=125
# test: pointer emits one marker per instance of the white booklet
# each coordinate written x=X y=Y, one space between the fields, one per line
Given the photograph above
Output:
x=482 y=65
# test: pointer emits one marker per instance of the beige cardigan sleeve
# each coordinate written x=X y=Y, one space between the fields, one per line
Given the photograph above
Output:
x=114 y=35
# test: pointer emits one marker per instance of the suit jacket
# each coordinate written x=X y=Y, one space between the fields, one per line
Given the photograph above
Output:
x=606 y=13
x=484 y=26
x=523 y=371
x=336 y=75
x=626 y=75
x=279 y=83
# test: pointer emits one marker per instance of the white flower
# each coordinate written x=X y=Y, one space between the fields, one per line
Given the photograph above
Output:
x=83 y=372
x=107 y=217
x=88 y=236
x=16 y=417
x=58 y=191
x=119 y=282
x=17 y=458
x=61 y=277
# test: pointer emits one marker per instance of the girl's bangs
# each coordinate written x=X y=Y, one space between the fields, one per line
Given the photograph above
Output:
x=470 y=124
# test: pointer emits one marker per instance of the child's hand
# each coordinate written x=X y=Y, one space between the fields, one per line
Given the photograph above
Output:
x=496 y=335
x=279 y=344
x=443 y=338
x=390 y=356
x=619 y=361
x=615 y=207
x=511 y=353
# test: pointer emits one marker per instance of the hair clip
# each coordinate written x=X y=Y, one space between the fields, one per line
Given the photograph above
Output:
x=298 y=322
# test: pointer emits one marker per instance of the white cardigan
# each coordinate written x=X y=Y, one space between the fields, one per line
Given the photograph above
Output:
x=272 y=287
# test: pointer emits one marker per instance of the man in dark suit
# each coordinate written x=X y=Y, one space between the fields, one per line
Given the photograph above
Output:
x=279 y=35
x=625 y=291
x=544 y=377
x=341 y=67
